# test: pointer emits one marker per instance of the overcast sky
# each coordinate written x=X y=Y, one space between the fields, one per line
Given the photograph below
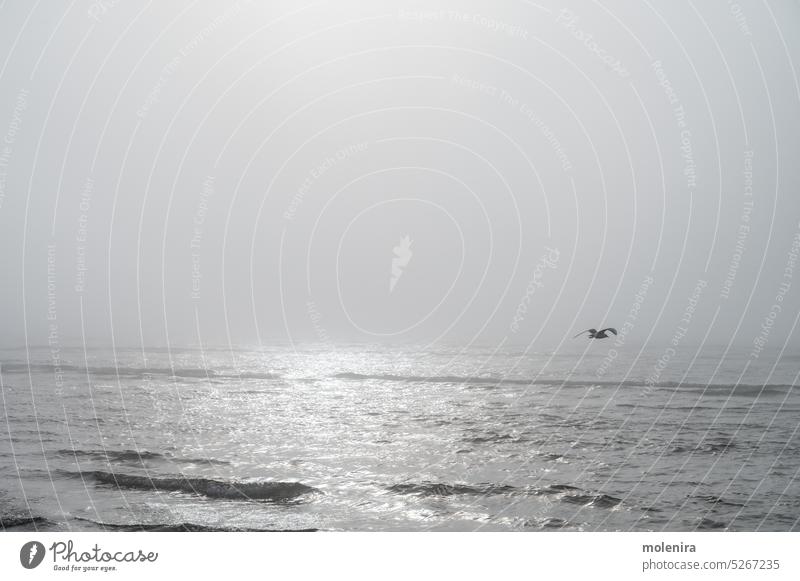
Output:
x=215 y=173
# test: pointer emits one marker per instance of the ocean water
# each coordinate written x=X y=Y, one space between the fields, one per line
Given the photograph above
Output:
x=370 y=438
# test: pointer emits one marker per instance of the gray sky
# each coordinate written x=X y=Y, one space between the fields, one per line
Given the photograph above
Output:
x=191 y=172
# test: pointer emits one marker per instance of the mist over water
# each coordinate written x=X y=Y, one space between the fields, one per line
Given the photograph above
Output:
x=322 y=265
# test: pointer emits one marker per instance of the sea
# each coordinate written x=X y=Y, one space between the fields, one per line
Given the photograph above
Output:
x=355 y=437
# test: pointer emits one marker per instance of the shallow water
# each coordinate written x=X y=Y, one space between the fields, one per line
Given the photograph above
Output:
x=377 y=438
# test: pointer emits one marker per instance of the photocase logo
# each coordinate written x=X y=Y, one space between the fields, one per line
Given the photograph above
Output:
x=31 y=554
x=402 y=256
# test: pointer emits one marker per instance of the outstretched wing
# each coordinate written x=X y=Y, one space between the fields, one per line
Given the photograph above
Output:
x=611 y=329
x=586 y=331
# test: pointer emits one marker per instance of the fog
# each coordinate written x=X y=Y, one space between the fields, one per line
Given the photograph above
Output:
x=199 y=173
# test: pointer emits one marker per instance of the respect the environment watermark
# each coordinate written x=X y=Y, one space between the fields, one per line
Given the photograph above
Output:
x=546 y=261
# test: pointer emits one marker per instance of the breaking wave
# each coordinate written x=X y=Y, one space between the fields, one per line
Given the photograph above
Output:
x=565 y=492
x=441 y=489
x=269 y=490
x=18 y=521
x=134 y=456
x=182 y=527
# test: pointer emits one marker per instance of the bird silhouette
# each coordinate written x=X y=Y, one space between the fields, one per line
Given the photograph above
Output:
x=595 y=334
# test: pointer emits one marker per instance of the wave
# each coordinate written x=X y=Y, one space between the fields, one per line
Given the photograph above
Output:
x=567 y=493
x=17 y=521
x=710 y=446
x=741 y=388
x=574 y=495
x=435 y=379
x=707 y=524
x=211 y=375
x=716 y=500
x=494 y=438
x=136 y=372
x=268 y=490
x=441 y=489
x=600 y=500
x=552 y=523
x=554 y=488
x=134 y=456
x=184 y=527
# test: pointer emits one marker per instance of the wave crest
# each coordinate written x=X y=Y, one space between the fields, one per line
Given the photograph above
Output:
x=270 y=490
x=565 y=492
x=134 y=456
x=710 y=388
x=16 y=521
x=441 y=489
x=181 y=527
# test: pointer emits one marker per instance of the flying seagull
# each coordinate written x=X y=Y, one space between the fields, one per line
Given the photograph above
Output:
x=595 y=334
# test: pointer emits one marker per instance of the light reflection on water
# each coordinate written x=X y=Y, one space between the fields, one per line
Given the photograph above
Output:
x=391 y=439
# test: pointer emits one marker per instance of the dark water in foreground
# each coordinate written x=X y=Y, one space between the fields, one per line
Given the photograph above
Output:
x=367 y=438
